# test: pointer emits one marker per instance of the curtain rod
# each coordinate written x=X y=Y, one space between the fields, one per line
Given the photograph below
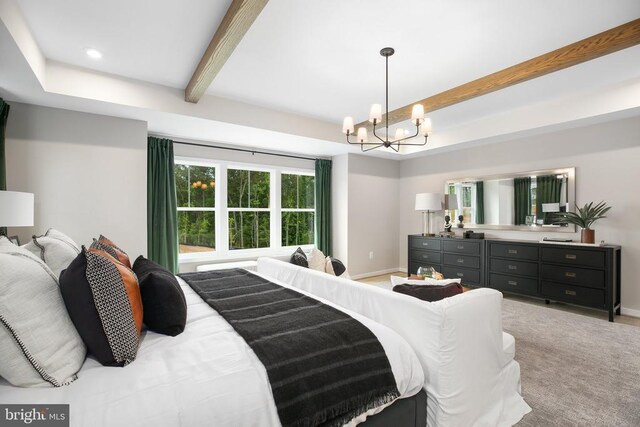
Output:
x=245 y=150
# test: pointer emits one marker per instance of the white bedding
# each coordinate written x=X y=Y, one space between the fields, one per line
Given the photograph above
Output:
x=207 y=375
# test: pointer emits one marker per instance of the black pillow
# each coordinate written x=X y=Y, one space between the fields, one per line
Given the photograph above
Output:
x=299 y=258
x=429 y=292
x=335 y=266
x=164 y=304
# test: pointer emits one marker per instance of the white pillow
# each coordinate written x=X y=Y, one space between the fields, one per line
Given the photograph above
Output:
x=39 y=346
x=56 y=249
x=316 y=260
x=396 y=280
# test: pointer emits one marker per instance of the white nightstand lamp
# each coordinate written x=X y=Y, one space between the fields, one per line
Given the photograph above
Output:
x=427 y=203
x=16 y=209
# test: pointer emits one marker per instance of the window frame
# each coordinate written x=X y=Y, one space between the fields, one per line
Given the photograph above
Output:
x=250 y=168
x=189 y=161
x=302 y=172
x=222 y=210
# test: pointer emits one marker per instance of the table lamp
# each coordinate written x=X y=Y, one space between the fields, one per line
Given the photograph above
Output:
x=427 y=203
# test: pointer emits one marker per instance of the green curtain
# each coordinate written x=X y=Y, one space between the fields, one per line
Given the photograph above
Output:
x=323 y=206
x=162 y=222
x=4 y=115
x=480 y=202
x=522 y=196
x=548 y=189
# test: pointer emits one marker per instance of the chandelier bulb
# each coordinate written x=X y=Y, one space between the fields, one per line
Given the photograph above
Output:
x=375 y=114
x=362 y=135
x=347 y=125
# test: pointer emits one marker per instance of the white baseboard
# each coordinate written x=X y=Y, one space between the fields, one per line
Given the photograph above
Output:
x=375 y=273
x=630 y=312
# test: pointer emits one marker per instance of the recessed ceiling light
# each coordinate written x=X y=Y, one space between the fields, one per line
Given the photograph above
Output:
x=94 y=53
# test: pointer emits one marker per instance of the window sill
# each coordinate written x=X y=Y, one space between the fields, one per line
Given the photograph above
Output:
x=239 y=255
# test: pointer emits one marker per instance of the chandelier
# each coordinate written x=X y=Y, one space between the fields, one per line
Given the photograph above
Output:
x=422 y=123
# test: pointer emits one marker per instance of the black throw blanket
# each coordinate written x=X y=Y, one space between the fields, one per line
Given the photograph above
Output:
x=325 y=368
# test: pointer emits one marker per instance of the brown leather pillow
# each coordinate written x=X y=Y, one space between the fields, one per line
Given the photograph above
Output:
x=109 y=247
x=429 y=293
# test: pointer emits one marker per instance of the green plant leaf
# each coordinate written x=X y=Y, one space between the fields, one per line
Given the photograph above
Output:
x=586 y=215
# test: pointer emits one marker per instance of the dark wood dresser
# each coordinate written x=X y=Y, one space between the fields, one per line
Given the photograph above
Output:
x=455 y=258
x=588 y=276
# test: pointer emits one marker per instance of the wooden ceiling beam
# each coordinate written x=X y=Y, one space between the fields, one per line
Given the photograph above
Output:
x=601 y=44
x=235 y=24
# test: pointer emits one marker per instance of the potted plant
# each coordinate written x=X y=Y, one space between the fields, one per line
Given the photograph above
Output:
x=584 y=218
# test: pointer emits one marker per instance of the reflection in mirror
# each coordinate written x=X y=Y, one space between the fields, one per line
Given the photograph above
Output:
x=523 y=201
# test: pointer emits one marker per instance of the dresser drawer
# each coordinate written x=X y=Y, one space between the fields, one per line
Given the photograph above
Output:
x=425 y=243
x=462 y=260
x=574 y=294
x=572 y=256
x=515 y=251
x=513 y=267
x=462 y=247
x=521 y=285
x=573 y=275
x=466 y=274
x=413 y=266
x=426 y=256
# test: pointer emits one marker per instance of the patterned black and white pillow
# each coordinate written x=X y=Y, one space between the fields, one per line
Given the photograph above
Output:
x=299 y=258
x=103 y=300
x=334 y=266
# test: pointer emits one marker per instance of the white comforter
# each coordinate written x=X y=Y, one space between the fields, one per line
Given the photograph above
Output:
x=207 y=375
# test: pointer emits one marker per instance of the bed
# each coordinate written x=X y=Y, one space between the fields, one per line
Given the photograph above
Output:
x=208 y=375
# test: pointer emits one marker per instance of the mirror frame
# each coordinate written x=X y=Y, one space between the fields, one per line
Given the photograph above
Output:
x=571 y=200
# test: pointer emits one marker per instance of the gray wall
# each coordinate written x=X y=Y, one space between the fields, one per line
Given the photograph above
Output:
x=88 y=173
x=367 y=215
x=607 y=161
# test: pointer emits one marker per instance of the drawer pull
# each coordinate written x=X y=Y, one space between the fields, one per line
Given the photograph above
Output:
x=513 y=267
x=425 y=243
x=573 y=293
x=570 y=256
x=460 y=246
x=460 y=260
x=513 y=251
x=460 y=274
x=569 y=274
x=513 y=282
x=425 y=256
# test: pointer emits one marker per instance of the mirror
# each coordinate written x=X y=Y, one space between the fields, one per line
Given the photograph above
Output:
x=523 y=201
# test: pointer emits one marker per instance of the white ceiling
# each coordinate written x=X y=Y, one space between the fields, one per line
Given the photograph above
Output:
x=305 y=64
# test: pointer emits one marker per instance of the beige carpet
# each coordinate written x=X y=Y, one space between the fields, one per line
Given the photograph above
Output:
x=576 y=370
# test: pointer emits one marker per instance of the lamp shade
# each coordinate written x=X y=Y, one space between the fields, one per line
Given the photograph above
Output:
x=428 y=202
x=16 y=209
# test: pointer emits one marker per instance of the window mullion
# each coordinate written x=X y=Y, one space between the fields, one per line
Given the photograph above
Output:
x=222 y=235
x=276 y=206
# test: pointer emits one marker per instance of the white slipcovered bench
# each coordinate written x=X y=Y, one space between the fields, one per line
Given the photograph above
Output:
x=471 y=378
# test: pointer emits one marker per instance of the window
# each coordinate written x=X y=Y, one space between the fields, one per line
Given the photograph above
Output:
x=248 y=205
x=298 y=209
x=226 y=209
x=195 y=191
